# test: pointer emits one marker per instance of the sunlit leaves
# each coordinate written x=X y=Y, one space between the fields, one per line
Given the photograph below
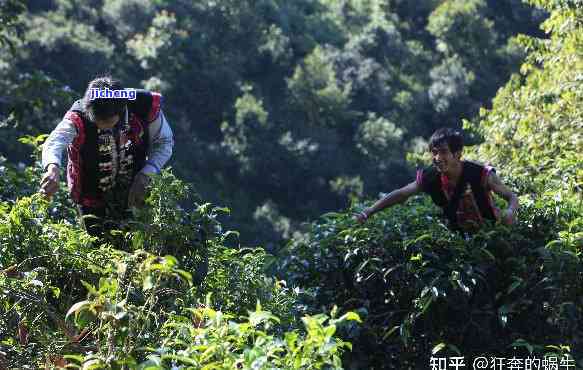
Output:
x=377 y=136
x=315 y=87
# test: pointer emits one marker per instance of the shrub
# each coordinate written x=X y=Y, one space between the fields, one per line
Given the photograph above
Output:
x=420 y=288
x=126 y=302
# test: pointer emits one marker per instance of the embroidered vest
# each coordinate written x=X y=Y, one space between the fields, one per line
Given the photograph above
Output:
x=103 y=163
x=471 y=177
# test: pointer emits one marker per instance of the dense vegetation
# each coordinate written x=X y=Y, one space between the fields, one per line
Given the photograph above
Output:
x=503 y=292
x=128 y=303
x=284 y=110
x=281 y=109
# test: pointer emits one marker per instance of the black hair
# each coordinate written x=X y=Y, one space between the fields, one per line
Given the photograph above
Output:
x=453 y=138
x=103 y=108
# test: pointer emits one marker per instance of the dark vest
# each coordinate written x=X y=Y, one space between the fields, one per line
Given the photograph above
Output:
x=87 y=170
x=472 y=175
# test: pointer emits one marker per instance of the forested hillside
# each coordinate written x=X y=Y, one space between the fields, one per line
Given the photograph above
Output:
x=284 y=111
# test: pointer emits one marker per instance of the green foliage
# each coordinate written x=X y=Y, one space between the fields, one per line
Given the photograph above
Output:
x=472 y=67
x=451 y=84
x=205 y=338
x=314 y=87
x=418 y=285
x=534 y=127
x=504 y=291
x=41 y=262
x=9 y=22
x=125 y=301
x=282 y=109
x=30 y=101
x=468 y=17
x=377 y=136
x=318 y=71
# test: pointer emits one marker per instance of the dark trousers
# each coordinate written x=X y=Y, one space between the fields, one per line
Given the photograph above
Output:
x=99 y=221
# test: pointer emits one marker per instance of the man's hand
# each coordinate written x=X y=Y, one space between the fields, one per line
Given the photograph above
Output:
x=137 y=193
x=361 y=217
x=49 y=184
x=507 y=216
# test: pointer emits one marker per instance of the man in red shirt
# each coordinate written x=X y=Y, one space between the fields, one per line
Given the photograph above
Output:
x=461 y=188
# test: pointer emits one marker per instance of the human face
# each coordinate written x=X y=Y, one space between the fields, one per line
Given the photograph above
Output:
x=107 y=122
x=443 y=159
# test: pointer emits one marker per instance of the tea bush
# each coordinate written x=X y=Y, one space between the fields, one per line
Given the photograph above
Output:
x=420 y=288
x=126 y=302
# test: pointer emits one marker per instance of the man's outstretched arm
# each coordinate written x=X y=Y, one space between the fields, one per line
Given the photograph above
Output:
x=499 y=188
x=395 y=197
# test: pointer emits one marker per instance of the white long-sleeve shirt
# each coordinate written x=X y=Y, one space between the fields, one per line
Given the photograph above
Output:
x=157 y=154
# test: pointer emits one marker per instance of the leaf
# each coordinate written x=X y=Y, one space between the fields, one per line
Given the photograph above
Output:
x=422 y=237
x=92 y=364
x=36 y=283
x=90 y=288
x=56 y=292
x=557 y=348
x=514 y=285
x=147 y=284
x=417 y=240
x=77 y=307
x=552 y=243
x=332 y=215
x=455 y=349
x=405 y=332
x=148 y=365
x=77 y=358
x=258 y=317
x=225 y=210
x=180 y=359
x=185 y=275
x=231 y=232
x=291 y=339
x=438 y=348
x=523 y=343
x=170 y=261
x=391 y=270
x=361 y=266
x=351 y=316
x=330 y=330
x=426 y=303
x=489 y=254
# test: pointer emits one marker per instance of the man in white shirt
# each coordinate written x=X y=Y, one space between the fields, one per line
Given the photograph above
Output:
x=114 y=138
